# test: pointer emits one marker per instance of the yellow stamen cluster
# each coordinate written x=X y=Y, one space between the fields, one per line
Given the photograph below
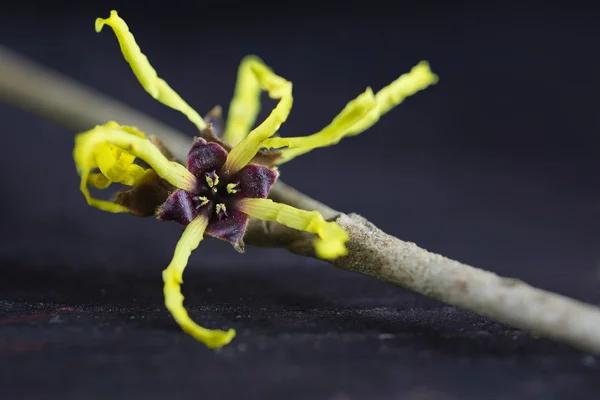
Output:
x=220 y=207
x=203 y=201
x=232 y=188
x=213 y=180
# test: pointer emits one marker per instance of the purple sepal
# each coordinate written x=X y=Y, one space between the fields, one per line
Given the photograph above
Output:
x=205 y=157
x=231 y=228
x=179 y=207
x=144 y=199
x=255 y=181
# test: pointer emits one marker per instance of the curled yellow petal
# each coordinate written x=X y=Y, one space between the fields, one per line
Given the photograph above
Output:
x=419 y=78
x=99 y=180
x=173 y=278
x=117 y=165
x=145 y=73
x=331 y=241
x=278 y=88
x=355 y=111
x=112 y=149
x=245 y=104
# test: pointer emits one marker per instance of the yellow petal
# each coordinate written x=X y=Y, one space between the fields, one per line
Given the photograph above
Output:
x=103 y=205
x=117 y=165
x=99 y=180
x=278 y=88
x=173 y=278
x=331 y=241
x=408 y=84
x=419 y=78
x=146 y=75
x=112 y=149
x=355 y=111
x=245 y=104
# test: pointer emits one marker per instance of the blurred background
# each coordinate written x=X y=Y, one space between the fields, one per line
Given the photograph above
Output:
x=495 y=166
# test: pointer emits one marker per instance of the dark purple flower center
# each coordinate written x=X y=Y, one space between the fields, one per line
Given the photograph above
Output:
x=216 y=194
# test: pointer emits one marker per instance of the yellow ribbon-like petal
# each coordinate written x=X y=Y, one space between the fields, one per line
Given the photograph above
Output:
x=112 y=149
x=117 y=165
x=146 y=75
x=173 y=278
x=355 y=111
x=419 y=78
x=278 y=88
x=332 y=239
x=245 y=104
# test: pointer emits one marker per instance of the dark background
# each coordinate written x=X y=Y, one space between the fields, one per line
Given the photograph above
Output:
x=496 y=166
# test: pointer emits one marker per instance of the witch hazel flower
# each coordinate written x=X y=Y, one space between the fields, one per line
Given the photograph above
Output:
x=230 y=167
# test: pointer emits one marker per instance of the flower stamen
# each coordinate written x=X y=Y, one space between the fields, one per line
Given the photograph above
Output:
x=221 y=210
x=201 y=201
x=212 y=179
x=232 y=188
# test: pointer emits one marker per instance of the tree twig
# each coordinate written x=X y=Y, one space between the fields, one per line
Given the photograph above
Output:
x=371 y=251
